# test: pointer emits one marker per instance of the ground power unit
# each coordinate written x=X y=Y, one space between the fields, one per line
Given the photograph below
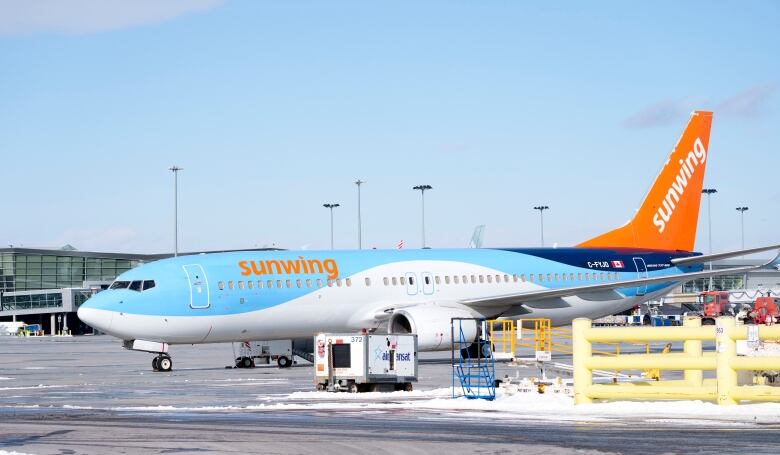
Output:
x=365 y=363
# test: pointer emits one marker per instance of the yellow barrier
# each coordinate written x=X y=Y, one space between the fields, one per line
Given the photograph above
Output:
x=724 y=389
x=503 y=339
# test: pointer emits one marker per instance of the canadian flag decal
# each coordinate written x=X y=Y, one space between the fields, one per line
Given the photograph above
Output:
x=617 y=264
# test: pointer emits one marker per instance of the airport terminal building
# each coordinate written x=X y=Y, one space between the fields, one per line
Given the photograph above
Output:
x=46 y=286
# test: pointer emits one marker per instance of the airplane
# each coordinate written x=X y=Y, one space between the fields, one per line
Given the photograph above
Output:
x=264 y=295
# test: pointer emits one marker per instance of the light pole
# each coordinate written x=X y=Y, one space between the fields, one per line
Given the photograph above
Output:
x=709 y=192
x=331 y=207
x=541 y=209
x=359 y=182
x=422 y=189
x=175 y=169
x=741 y=211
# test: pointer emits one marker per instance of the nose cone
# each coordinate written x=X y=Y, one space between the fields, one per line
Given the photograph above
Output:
x=94 y=317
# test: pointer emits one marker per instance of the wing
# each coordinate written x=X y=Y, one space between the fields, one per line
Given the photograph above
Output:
x=594 y=289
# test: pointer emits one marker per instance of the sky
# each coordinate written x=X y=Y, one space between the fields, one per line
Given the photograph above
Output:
x=273 y=108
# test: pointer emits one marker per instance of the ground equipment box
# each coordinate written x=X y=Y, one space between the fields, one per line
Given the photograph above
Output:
x=251 y=353
x=362 y=363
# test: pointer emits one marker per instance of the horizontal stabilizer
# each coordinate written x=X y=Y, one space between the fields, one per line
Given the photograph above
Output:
x=717 y=256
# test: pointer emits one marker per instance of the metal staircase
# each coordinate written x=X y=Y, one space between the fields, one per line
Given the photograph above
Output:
x=473 y=364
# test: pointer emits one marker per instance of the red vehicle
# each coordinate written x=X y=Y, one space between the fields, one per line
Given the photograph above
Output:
x=766 y=310
x=713 y=304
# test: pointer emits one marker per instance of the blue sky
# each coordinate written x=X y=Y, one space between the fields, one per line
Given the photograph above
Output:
x=275 y=107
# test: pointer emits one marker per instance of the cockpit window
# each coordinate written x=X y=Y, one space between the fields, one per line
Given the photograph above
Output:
x=148 y=284
x=119 y=285
x=135 y=286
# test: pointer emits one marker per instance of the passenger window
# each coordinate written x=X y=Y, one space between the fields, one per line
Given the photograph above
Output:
x=395 y=281
x=506 y=278
x=447 y=279
x=386 y=281
x=587 y=277
x=319 y=282
x=368 y=281
x=602 y=276
x=135 y=286
x=427 y=279
x=579 y=276
x=279 y=284
x=250 y=284
x=330 y=283
x=563 y=276
x=437 y=279
x=498 y=278
x=221 y=285
x=338 y=282
x=269 y=284
x=348 y=282
x=549 y=277
x=455 y=279
x=514 y=278
x=609 y=276
x=148 y=284
x=522 y=277
x=531 y=277
x=308 y=283
x=541 y=277
x=230 y=284
x=557 y=277
x=403 y=281
x=473 y=279
x=241 y=285
x=411 y=280
x=298 y=283
x=489 y=278
x=617 y=275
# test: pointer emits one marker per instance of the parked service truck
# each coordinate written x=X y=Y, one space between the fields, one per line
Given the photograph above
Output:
x=251 y=353
x=362 y=363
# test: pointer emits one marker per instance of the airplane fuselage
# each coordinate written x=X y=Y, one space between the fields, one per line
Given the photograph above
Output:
x=252 y=295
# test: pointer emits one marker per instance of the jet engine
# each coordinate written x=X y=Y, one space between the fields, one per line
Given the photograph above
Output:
x=432 y=324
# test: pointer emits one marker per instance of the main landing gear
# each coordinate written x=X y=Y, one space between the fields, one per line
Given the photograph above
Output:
x=162 y=362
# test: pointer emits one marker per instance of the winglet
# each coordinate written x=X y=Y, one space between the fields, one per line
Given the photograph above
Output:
x=667 y=218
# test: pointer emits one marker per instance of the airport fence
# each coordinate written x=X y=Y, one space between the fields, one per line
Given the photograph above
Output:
x=693 y=361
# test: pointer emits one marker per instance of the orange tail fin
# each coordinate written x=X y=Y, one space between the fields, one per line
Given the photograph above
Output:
x=668 y=216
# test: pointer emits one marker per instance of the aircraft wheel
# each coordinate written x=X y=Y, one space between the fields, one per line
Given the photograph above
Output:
x=156 y=363
x=283 y=362
x=166 y=364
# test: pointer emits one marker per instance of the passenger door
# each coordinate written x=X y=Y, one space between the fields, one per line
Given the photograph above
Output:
x=641 y=272
x=199 y=286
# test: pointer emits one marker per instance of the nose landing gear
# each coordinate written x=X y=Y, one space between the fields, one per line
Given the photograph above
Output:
x=162 y=362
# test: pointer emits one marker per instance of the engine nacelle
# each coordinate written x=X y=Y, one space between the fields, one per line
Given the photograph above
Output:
x=432 y=324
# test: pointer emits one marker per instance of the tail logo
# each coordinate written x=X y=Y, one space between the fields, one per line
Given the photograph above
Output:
x=688 y=167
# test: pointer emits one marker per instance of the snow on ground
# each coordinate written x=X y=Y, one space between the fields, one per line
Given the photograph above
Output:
x=438 y=403
x=3 y=378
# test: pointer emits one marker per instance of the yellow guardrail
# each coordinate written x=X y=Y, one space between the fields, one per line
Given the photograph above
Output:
x=693 y=361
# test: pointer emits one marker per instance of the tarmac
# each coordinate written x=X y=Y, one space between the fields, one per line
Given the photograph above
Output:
x=68 y=395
